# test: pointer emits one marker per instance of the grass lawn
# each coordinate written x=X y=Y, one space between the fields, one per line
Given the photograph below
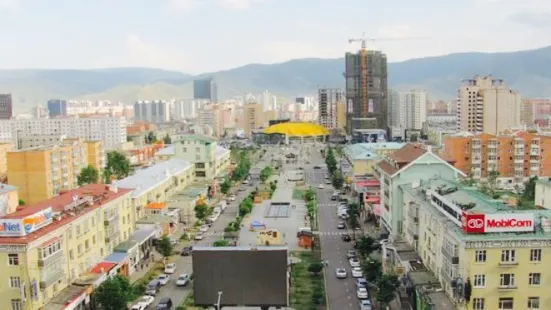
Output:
x=304 y=284
x=298 y=192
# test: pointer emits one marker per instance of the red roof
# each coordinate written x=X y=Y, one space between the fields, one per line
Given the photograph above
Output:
x=102 y=267
x=101 y=193
x=367 y=183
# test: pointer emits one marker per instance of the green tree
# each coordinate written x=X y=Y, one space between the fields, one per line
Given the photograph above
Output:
x=492 y=183
x=367 y=245
x=88 y=175
x=225 y=186
x=353 y=215
x=241 y=171
x=530 y=189
x=387 y=286
x=167 y=139
x=21 y=202
x=372 y=269
x=201 y=211
x=309 y=195
x=337 y=180
x=245 y=207
x=117 y=166
x=221 y=243
x=165 y=246
x=315 y=268
x=266 y=173
x=110 y=295
x=150 y=138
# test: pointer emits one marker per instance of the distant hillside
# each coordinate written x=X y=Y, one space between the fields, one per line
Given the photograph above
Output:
x=525 y=71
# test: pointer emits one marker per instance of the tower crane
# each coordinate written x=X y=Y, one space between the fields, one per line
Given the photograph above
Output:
x=366 y=108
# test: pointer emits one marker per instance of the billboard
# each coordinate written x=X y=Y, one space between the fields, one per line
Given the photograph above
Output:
x=26 y=225
x=497 y=223
x=246 y=276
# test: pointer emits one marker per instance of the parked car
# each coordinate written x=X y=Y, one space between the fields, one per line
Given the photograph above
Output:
x=320 y=186
x=333 y=197
x=174 y=241
x=341 y=225
x=340 y=273
x=231 y=197
x=164 y=304
x=153 y=287
x=204 y=228
x=182 y=280
x=357 y=272
x=170 y=268
x=138 y=307
x=365 y=304
x=354 y=262
x=146 y=300
x=361 y=282
x=362 y=293
x=163 y=279
x=328 y=182
x=198 y=236
x=346 y=238
x=186 y=251
x=351 y=254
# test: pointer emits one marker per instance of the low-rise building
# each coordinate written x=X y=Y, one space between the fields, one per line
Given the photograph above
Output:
x=485 y=254
x=51 y=244
x=363 y=156
x=9 y=199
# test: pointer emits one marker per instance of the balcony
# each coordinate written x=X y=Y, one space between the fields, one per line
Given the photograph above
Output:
x=51 y=278
x=43 y=262
x=111 y=235
x=508 y=263
x=111 y=219
x=507 y=287
x=450 y=255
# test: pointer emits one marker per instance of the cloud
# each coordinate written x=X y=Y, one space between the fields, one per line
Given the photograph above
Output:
x=139 y=53
x=534 y=19
x=182 y=5
x=8 y=4
x=238 y=4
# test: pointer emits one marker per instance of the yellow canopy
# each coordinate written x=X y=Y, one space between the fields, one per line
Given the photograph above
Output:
x=297 y=129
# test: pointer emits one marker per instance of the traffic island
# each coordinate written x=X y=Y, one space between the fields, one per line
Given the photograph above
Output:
x=307 y=282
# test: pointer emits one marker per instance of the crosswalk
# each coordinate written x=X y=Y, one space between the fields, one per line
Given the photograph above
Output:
x=319 y=233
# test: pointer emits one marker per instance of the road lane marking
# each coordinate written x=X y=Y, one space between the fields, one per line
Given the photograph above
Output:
x=350 y=305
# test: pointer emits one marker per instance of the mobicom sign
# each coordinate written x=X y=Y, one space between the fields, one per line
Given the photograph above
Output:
x=497 y=223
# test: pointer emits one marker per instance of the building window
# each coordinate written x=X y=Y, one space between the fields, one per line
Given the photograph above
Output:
x=50 y=249
x=15 y=282
x=16 y=304
x=507 y=279
x=13 y=259
x=505 y=303
x=508 y=256
x=478 y=304
x=535 y=255
x=534 y=278
x=479 y=280
x=480 y=256
x=533 y=303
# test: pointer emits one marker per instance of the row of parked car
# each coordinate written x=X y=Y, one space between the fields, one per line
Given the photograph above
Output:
x=361 y=283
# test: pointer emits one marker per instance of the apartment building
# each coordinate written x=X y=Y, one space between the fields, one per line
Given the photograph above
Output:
x=485 y=104
x=362 y=157
x=209 y=116
x=110 y=130
x=534 y=110
x=6 y=106
x=50 y=246
x=514 y=156
x=155 y=111
x=412 y=109
x=484 y=254
x=328 y=99
x=41 y=173
x=4 y=149
x=411 y=163
x=9 y=199
x=209 y=158
x=95 y=155
x=252 y=118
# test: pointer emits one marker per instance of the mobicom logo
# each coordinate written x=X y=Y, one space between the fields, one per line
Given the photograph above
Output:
x=489 y=223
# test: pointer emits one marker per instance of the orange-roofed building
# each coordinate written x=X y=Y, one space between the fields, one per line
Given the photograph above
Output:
x=514 y=155
x=50 y=244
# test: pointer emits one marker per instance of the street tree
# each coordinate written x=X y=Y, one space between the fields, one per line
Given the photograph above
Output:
x=201 y=211
x=88 y=175
x=167 y=139
x=372 y=270
x=117 y=166
x=165 y=246
x=309 y=195
x=367 y=245
x=337 y=180
x=315 y=268
x=110 y=295
x=225 y=186
x=265 y=173
x=221 y=243
x=492 y=183
x=150 y=138
x=387 y=286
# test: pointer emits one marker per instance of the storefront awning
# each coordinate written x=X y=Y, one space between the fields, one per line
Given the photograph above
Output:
x=116 y=257
x=367 y=183
x=103 y=267
x=373 y=199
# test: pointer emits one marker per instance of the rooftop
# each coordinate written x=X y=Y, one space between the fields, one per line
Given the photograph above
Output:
x=203 y=138
x=221 y=151
x=6 y=188
x=468 y=198
x=166 y=151
x=357 y=151
x=99 y=195
x=146 y=179
x=408 y=153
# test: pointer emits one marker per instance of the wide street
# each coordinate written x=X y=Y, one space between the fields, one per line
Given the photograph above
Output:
x=341 y=292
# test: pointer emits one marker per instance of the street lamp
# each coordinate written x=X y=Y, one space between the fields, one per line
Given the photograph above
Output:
x=217 y=305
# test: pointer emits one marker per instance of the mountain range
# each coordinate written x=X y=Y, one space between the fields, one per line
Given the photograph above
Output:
x=525 y=71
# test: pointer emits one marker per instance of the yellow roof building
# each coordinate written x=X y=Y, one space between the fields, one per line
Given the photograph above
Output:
x=297 y=129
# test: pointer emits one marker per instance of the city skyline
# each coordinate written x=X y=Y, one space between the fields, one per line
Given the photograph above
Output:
x=136 y=37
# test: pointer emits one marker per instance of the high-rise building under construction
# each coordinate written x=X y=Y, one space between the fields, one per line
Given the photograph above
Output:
x=366 y=90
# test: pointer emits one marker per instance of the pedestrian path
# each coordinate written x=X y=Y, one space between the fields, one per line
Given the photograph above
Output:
x=319 y=233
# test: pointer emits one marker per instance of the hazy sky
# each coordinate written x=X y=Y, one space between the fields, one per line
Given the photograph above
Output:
x=208 y=35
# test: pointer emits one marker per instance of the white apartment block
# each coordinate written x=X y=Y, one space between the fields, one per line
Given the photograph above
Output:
x=412 y=109
x=328 y=99
x=267 y=100
x=113 y=108
x=486 y=105
x=156 y=111
x=187 y=108
x=110 y=130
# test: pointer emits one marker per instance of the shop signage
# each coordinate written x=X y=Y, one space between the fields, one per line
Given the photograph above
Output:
x=497 y=223
x=26 y=225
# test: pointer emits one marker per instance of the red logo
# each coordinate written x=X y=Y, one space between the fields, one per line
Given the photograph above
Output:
x=473 y=223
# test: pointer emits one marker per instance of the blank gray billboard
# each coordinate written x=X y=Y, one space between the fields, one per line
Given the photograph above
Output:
x=246 y=276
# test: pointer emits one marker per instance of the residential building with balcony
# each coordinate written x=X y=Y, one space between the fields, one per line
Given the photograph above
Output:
x=485 y=254
x=514 y=156
x=411 y=163
x=41 y=173
x=48 y=246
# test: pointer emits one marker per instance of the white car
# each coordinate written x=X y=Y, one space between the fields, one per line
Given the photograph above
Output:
x=231 y=197
x=320 y=186
x=138 y=307
x=204 y=228
x=365 y=304
x=362 y=293
x=198 y=236
x=170 y=268
x=341 y=273
x=146 y=301
x=354 y=262
x=357 y=272
x=182 y=280
x=163 y=279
